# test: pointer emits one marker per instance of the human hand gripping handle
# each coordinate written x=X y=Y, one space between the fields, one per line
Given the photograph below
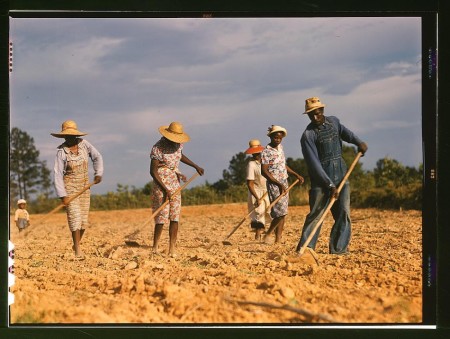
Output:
x=174 y=193
x=200 y=170
x=362 y=148
x=267 y=209
x=65 y=201
x=282 y=194
x=244 y=218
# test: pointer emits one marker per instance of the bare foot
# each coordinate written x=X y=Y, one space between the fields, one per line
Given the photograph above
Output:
x=266 y=239
x=79 y=256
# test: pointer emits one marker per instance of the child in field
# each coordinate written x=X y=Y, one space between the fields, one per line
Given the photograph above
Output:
x=275 y=169
x=22 y=217
x=258 y=200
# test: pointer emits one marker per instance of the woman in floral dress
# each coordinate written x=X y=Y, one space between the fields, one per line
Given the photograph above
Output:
x=275 y=169
x=71 y=177
x=165 y=157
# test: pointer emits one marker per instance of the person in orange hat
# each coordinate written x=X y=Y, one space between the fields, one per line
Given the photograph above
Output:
x=71 y=177
x=258 y=200
x=321 y=144
x=275 y=169
x=165 y=157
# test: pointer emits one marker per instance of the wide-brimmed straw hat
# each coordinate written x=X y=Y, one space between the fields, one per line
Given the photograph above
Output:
x=312 y=103
x=274 y=128
x=21 y=201
x=255 y=147
x=174 y=132
x=68 y=128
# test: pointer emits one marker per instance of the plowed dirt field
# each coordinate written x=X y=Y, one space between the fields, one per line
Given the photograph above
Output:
x=208 y=282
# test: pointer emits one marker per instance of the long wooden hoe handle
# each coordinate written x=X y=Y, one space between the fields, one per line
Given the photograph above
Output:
x=244 y=218
x=157 y=211
x=176 y=192
x=330 y=204
x=281 y=195
x=267 y=209
x=60 y=206
x=73 y=197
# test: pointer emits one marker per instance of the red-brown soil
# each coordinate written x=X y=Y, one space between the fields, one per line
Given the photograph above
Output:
x=248 y=282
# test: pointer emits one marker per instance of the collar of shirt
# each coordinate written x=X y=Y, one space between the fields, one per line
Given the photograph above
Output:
x=322 y=126
x=278 y=148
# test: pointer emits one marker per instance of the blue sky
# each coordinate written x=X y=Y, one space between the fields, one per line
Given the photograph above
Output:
x=227 y=80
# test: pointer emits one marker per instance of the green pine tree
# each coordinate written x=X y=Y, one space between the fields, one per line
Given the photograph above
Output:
x=28 y=175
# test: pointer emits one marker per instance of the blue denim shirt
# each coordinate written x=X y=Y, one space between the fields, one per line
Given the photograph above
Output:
x=322 y=151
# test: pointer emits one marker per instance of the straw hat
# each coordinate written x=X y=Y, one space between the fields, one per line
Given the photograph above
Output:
x=255 y=147
x=68 y=128
x=275 y=128
x=312 y=103
x=21 y=201
x=174 y=132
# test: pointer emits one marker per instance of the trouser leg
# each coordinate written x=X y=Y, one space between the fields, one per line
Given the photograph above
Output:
x=317 y=204
x=341 y=231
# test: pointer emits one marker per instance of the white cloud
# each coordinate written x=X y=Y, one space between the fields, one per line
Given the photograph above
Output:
x=226 y=80
x=63 y=60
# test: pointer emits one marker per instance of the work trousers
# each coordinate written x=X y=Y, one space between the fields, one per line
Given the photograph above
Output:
x=341 y=230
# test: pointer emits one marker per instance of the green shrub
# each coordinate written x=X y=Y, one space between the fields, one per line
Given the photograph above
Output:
x=404 y=197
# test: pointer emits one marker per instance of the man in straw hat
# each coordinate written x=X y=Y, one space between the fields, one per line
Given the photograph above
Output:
x=321 y=144
x=275 y=169
x=165 y=157
x=258 y=200
x=71 y=177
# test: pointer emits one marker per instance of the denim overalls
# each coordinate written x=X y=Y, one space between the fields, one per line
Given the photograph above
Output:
x=329 y=147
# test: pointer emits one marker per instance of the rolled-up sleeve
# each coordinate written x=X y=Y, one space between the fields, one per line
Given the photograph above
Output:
x=58 y=172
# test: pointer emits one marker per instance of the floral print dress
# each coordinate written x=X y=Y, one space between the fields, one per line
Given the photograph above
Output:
x=276 y=161
x=169 y=155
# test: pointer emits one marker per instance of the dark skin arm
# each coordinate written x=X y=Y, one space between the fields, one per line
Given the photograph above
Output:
x=154 y=164
x=265 y=172
x=301 y=180
x=269 y=176
x=251 y=188
x=187 y=161
x=154 y=172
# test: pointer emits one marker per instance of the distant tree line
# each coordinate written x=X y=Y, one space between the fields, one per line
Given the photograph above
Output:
x=390 y=185
x=28 y=176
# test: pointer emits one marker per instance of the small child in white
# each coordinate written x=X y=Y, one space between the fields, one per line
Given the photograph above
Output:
x=22 y=217
x=258 y=200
